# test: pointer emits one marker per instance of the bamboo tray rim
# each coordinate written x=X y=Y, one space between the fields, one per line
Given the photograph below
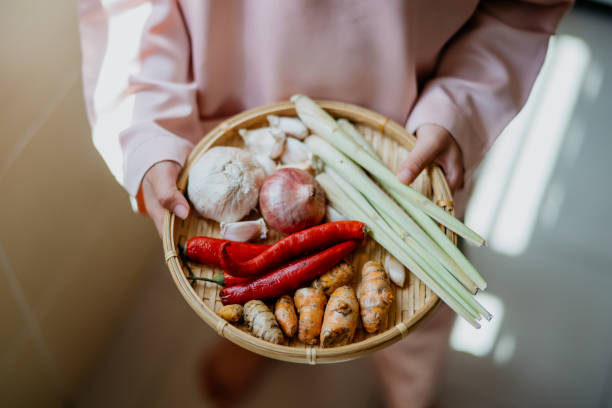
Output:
x=308 y=354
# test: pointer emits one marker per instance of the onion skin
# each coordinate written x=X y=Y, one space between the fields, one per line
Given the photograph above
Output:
x=291 y=200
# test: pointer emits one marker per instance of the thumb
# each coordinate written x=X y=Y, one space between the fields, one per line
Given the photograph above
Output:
x=424 y=152
x=164 y=186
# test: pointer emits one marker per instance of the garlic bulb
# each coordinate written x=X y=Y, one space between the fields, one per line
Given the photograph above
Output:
x=395 y=270
x=332 y=215
x=295 y=152
x=244 y=231
x=267 y=163
x=224 y=184
x=267 y=141
x=291 y=126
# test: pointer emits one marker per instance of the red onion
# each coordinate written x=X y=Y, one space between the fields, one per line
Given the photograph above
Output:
x=291 y=200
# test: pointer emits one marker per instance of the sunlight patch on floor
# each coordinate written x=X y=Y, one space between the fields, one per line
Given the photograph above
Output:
x=479 y=342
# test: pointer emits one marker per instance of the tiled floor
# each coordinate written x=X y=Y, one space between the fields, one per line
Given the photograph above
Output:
x=154 y=362
x=557 y=292
x=554 y=345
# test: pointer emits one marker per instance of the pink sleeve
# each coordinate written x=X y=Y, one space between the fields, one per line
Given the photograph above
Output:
x=486 y=72
x=140 y=97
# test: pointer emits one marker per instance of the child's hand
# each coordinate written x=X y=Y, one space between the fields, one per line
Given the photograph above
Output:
x=160 y=193
x=434 y=144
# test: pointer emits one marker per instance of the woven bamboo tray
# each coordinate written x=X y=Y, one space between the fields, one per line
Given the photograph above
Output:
x=411 y=303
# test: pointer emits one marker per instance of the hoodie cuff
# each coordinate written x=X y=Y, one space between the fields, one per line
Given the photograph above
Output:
x=439 y=110
x=153 y=150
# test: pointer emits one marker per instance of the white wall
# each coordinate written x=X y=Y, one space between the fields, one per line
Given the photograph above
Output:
x=71 y=251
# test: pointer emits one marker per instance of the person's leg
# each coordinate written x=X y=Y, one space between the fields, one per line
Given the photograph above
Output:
x=409 y=370
x=228 y=372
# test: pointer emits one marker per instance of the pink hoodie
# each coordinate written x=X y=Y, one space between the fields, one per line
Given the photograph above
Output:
x=154 y=71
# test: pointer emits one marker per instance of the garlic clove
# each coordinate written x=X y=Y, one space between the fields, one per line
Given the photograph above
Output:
x=395 y=270
x=244 y=231
x=295 y=152
x=267 y=163
x=267 y=141
x=306 y=166
x=291 y=126
x=332 y=215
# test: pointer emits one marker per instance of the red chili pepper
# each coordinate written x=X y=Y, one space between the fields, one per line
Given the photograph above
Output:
x=299 y=243
x=205 y=250
x=225 y=279
x=289 y=277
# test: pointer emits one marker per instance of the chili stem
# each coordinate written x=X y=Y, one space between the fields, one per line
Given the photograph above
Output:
x=218 y=279
x=184 y=260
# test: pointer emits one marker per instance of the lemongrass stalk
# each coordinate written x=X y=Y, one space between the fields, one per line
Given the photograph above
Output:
x=384 y=237
x=428 y=263
x=454 y=268
x=461 y=265
x=434 y=231
x=356 y=135
x=395 y=225
x=358 y=178
x=324 y=125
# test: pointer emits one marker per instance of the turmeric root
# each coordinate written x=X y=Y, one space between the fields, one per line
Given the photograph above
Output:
x=231 y=313
x=261 y=322
x=310 y=304
x=341 y=316
x=284 y=311
x=375 y=296
x=338 y=276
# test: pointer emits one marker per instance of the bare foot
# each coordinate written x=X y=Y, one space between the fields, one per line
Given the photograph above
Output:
x=227 y=372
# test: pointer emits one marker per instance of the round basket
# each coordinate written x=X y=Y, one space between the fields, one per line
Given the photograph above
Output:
x=411 y=303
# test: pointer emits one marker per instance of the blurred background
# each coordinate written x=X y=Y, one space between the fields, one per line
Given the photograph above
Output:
x=91 y=318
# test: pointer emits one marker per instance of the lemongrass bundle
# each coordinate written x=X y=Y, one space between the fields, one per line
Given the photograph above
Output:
x=321 y=123
x=415 y=239
x=425 y=222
